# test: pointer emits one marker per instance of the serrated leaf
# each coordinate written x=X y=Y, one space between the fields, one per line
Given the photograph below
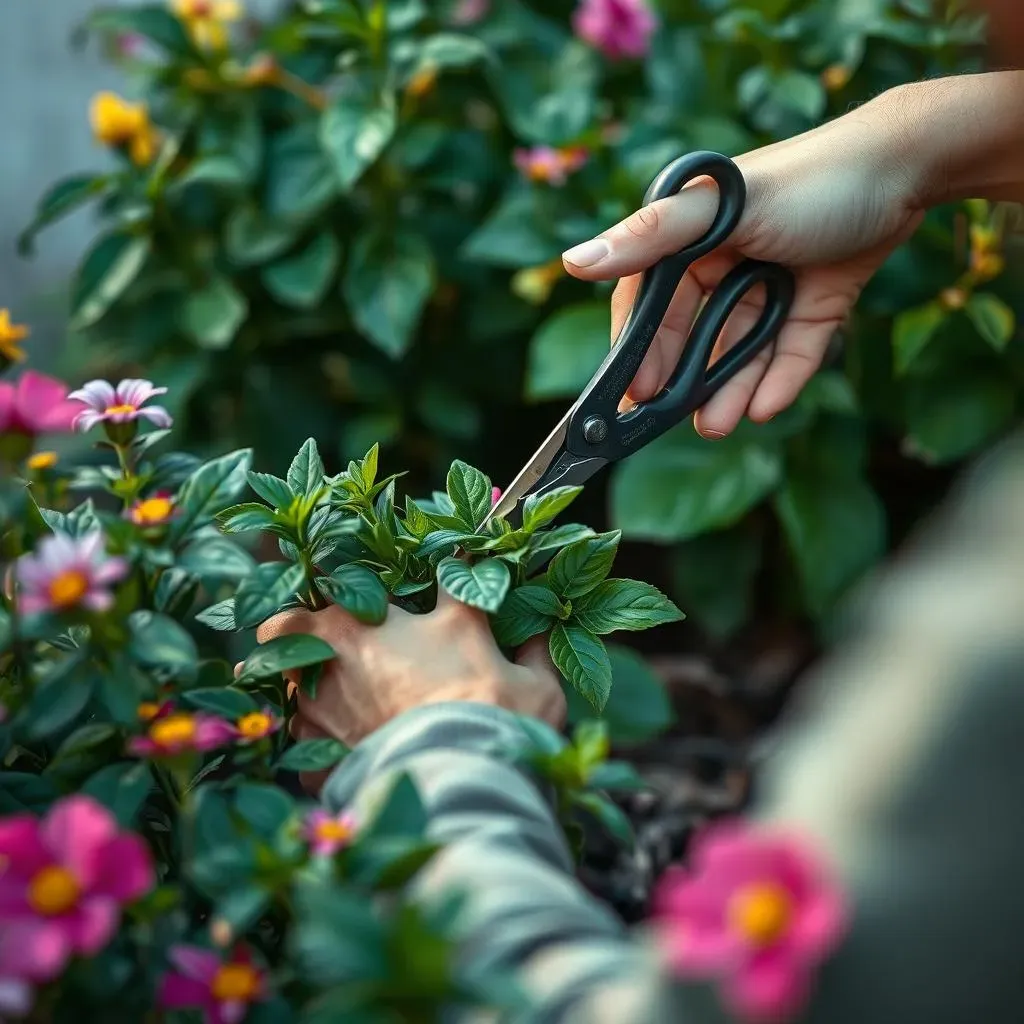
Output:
x=359 y=591
x=312 y=755
x=483 y=585
x=210 y=488
x=470 y=492
x=271 y=489
x=250 y=515
x=624 y=605
x=306 y=473
x=224 y=701
x=541 y=509
x=220 y=616
x=581 y=566
x=581 y=657
x=526 y=612
x=263 y=594
x=354 y=131
x=295 y=650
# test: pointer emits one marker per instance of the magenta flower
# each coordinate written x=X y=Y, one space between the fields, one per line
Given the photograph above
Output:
x=618 y=28
x=758 y=912
x=468 y=12
x=495 y=496
x=328 y=833
x=182 y=732
x=64 y=882
x=65 y=573
x=223 y=989
x=37 y=404
x=543 y=163
x=123 y=404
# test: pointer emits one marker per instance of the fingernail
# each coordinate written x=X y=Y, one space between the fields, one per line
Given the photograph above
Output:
x=586 y=254
x=713 y=435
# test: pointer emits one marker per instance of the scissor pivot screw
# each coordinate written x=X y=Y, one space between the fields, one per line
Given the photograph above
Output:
x=595 y=429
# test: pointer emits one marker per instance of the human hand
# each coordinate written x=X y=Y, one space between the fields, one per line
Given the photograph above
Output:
x=448 y=654
x=831 y=204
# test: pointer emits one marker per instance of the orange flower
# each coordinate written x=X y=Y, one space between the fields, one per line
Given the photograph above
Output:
x=10 y=337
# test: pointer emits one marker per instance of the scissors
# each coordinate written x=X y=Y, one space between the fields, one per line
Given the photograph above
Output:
x=593 y=432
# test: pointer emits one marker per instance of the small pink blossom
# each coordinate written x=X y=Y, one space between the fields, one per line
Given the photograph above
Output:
x=37 y=404
x=618 y=28
x=223 y=990
x=328 y=833
x=182 y=732
x=495 y=496
x=468 y=12
x=64 y=882
x=64 y=573
x=757 y=912
x=122 y=404
x=544 y=163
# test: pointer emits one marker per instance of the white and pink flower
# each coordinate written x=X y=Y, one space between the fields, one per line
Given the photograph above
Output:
x=123 y=404
x=65 y=573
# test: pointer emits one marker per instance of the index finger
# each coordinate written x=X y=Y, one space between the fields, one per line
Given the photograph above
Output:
x=330 y=624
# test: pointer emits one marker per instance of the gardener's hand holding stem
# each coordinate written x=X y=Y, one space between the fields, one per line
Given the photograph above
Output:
x=832 y=204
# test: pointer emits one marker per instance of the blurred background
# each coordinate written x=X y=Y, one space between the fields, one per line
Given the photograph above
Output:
x=342 y=218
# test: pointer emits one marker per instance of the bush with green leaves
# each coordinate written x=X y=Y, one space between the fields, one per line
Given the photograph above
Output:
x=150 y=837
x=345 y=221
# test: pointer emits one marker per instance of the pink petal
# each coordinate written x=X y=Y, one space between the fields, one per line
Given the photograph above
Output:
x=36 y=396
x=157 y=415
x=77 y=831
x=232 y=1011
x=126 y=869
x=16 y=996
x=21 y=846
x=700 y=952
x=195 y=962
x=110 y=571
x=212 y=732
x=135 y=391
x=36 y=949
x=60 y=419
x=180 y=993
x=142 y=746
x=820 y=924
x=93 y=924
x=769 y=988
x=14 y=896
x=85 y=421
x=6 y=405
x=98 y=600
x=97 y=394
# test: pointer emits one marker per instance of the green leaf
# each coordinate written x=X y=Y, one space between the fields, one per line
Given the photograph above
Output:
x=451 y=50
x=210 y=488
x=157 y=641
x=541 y=509
x=216 y=558
x=109 y=267
x=582 y=658
x=58 y=201
x=175 y=591
x=566 y=350
x=591 y=742
x=993 y=319
x=400 y=812
x=470 y=491
x=220 y=616
x=85 y=738
x=389 y=278
x=122 y=788
x=624 y=605
x=355 y=129
x=250 y=238
x=515 y=235
x=213 y=315
x=579 y=568
x=608 y=815
x=272 y=489
x=306 y=473
x=273 y=585
x=300 y=179
x=681 y=485
x=22 y=791
x=301 y=281
x=617 y=776
x=911 y=333
x=60 y=698
x=153 y=22
x=836 y=530
x=250 y=515
x=359 y=591
x=220 y=700
x=266 y=808
x=526 y=612
x=295 y=650
x=483 y=585
x=312 y=755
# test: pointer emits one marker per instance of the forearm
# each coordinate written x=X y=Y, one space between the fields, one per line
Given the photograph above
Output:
x=960 y=137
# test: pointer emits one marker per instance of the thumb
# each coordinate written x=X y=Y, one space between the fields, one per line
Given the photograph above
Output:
x=332 y=624
x=535 y=656
x=636 y=243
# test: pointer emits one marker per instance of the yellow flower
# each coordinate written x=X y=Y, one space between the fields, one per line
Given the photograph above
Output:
x=206 y=20
x=535 y=284
x=115 y=122
x=422 y=83
x=41 y=461
x=835 y=77
x=10 y=335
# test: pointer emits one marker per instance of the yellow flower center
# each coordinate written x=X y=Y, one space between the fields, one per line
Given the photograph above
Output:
x=53 y=891
x=116 y=122
x=68 y=588
x=761 y=913
x=41 y=460
x=235 y=983
x=10 y=335
x=333 y=831
x=148 y=710
x=172 y=731
x=152 y=510
x=119 y=410
x=255 y=724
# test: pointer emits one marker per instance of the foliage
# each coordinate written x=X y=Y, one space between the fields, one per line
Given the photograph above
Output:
x=108 y=689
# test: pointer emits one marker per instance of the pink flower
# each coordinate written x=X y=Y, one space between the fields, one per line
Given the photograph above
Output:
x=758 y=912
x=65 y=573
x=182 y=732
x=64 y=882
x=468 y=12
x=328 y=833
x=37 y=404
x=618 y=28
x=123 y=404
x=223 y=989
x=543 y=163
x=495 y=496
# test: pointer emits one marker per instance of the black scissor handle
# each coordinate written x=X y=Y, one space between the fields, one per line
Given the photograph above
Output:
x=596 y=428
